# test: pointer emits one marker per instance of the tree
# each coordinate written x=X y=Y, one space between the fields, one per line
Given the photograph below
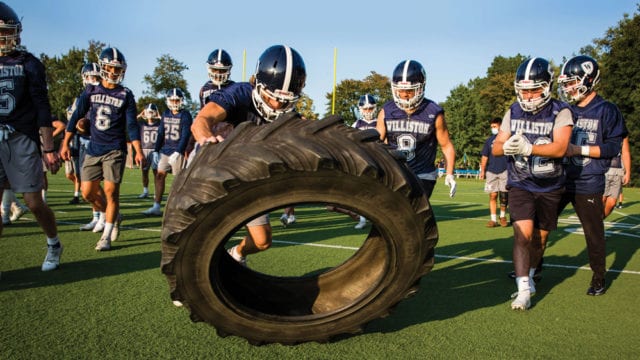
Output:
x=305 y=108
x=620 y=79
x=63 y=75
x=349 y=91
x=166 y=75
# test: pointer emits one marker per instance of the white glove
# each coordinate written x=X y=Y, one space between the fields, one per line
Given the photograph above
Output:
x=173 y=158
x=5 y=131
x=451 y=183
x=517 y=145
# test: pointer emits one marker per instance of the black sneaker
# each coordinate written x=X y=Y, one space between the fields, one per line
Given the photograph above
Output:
x=74 y=201
x=597 y=288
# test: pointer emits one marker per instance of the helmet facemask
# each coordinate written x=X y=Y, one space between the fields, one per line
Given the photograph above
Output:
x=175 y=103
x=368 y=112
x=218 y=73
x=286 y=99
x=414 y=101
x=9 y=38
x=532 y=105
x=574 y=88
x=111 y=72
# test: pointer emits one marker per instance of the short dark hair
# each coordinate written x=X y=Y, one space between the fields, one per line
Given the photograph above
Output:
x=496 y=120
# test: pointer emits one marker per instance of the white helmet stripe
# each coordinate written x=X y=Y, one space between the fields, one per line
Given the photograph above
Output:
x=528 y=71
x=219 y=55
x=115 y=54
x=289 y=69
x=405 y=70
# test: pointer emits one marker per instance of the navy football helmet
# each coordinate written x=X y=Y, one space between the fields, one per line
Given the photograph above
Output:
x=175 y=99
x=280 y=76
x=367 y=107
x=408 y=75
x=112 y=65
x=578 y=77
x=533 y=74
x=10 y=29
x=219 y=66
x=151 y=112
x=90 y=74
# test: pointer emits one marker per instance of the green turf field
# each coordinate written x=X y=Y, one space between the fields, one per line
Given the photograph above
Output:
x=115 y=305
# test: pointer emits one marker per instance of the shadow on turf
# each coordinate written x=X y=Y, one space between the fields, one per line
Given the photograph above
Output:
x=70 y=272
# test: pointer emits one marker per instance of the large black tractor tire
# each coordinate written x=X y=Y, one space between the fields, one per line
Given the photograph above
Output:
x=294 y=161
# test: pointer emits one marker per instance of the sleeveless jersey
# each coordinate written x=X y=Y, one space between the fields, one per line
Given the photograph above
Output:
x=535 y=173
x=414 y=135
x=362 y=124
x=24 y=102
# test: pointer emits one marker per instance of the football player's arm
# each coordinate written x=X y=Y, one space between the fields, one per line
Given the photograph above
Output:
x=626 y=160
x=503 y=135
x=561 y=137
x=483 y=166
x=449 y=152
x=381 y=126
x=133 y=129
x=211 y=114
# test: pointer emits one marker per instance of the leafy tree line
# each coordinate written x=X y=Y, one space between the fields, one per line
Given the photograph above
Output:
x=468 y=108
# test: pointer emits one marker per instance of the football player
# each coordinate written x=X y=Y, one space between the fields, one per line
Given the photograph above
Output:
x=149 y=137
x=597 y=138
x=111 y=111
x=273 y=90
x=414 y=124
x=173 y=136
x=25 y=130
x=535 y=134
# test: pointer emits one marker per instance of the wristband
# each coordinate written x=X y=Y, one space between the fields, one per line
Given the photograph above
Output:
x=48 y=151
x=584 y=150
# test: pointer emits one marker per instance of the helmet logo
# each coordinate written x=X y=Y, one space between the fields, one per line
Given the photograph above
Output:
x=587 y=67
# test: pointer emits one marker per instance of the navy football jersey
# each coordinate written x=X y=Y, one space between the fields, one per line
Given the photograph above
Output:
x=24 y=102
x=209 y=88
x=495 y=164
x=536 y=173
x=112 y=115
x=174 y=133
x=363 y=124
x=149 y=135
x=236 y=101
x=414 y=135
x=600 y=123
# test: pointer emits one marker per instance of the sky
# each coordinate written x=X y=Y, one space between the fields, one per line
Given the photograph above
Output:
x=455 y=40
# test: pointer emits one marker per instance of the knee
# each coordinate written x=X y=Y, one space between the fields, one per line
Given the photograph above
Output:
x=262 y=246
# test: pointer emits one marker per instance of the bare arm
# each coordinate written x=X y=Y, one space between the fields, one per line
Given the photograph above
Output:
x=381 y=126
x=483 y=166
x=626 y=161
x=208 y=116
x=442 y=134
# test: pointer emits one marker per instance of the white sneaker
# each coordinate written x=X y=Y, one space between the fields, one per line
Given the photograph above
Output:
x=17 y=213
x=152 y=211
x=177 y=303
x=532 y=289
x=284 y=219
x=89 y=226
x=522 y=301
x=52 y=260
x=103 y=244
x=115 y=232
x=99 y=227
x=144 y=195
x=361 y=224
x=291 y=219
x=234 y=254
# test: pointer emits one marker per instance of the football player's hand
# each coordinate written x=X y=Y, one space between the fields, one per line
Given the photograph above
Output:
x=451 y=183
x=517 y=145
